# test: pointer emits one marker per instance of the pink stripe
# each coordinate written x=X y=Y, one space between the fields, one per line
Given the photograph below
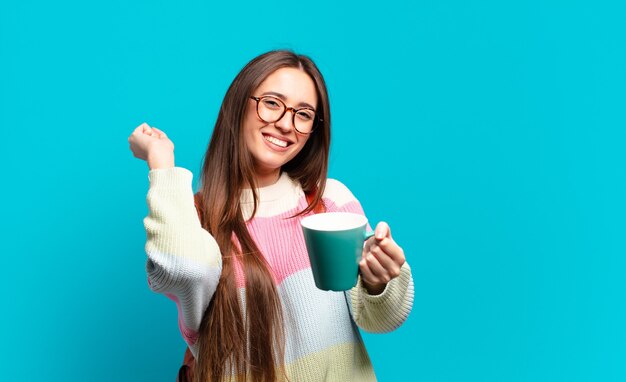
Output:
x=282 y=242
x=189 y=335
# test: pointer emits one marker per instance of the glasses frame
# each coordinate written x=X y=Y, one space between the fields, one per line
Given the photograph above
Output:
x=316 y=119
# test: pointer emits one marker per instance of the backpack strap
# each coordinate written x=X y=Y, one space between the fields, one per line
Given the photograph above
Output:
x=197 y=201
x=185 y=373
x=309 y=200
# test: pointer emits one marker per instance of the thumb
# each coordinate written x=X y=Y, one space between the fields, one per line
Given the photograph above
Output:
x=382 y=231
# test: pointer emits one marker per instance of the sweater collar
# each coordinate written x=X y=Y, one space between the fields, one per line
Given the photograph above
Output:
x=269 y=193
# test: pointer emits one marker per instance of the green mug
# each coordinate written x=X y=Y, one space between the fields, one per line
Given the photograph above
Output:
x=334 y=241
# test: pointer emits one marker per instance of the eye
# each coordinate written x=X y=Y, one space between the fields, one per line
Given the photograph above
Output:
x=305 y=115
x=271 y=103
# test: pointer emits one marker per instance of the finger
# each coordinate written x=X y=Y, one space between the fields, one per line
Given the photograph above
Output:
x=392 y=266
x=140 y=128
x=367 y=274
x=161 y=133
x=385 y=260
x=147 y=129
x=382 y=231
x=369 y=243
x=385 y=241
x=393 y=250
x=377 y=270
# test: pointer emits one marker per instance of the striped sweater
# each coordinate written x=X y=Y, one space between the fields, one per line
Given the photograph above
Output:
x=322 y=336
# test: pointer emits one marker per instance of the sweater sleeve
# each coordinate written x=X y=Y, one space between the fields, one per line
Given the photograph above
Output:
x=380 y=313
x=184 y=260
x=387 y=311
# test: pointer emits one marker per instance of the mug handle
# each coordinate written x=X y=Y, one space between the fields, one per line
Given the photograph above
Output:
x=368 y=234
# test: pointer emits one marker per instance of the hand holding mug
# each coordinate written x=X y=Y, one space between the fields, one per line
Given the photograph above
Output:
x=381 y=260
x=152 y=145
x=339 y=245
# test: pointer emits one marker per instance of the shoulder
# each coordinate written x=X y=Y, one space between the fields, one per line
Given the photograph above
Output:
x=338 y=192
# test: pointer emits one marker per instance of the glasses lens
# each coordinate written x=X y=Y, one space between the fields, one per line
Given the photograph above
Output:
x=271 y=109
x=304 y=120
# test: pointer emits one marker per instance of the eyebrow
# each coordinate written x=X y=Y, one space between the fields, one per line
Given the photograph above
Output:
x=282 y=97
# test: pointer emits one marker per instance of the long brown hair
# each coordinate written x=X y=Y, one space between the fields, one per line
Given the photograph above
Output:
x=251 y=348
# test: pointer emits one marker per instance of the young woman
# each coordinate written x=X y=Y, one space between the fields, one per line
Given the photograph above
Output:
x=233 y=257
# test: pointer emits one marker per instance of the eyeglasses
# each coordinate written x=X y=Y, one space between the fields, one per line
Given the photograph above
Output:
x=271 y=109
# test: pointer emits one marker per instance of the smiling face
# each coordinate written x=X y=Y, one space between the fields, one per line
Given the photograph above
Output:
x=274 y=144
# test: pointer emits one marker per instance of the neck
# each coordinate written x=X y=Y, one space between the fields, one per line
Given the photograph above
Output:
x=267 y=178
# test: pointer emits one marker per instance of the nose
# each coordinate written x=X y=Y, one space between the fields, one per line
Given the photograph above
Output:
x=286 y=122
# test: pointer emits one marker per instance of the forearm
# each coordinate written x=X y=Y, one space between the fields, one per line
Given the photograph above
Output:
x=388 y=310
x=161 y=160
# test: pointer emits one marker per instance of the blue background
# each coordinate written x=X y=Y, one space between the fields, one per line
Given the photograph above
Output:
x=489 y=134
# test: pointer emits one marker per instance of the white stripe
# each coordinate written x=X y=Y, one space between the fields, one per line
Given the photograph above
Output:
x=335 y=191
x=314 y=319
x=192 y=282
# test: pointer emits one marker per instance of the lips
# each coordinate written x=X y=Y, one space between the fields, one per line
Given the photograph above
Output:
x=277 y=141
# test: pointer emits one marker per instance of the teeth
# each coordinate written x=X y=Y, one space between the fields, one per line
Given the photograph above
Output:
x=275 y=141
